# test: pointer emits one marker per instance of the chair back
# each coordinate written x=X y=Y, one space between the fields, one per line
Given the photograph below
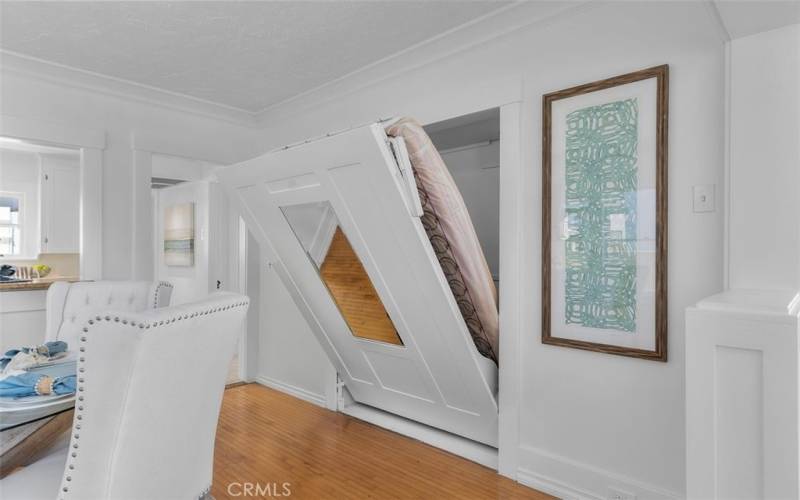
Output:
x=69 y=305
x=150 y=386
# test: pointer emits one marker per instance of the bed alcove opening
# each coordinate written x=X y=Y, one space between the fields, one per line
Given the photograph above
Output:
x=470 y=147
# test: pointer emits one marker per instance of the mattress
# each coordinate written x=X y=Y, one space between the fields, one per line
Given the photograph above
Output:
x=452 y=235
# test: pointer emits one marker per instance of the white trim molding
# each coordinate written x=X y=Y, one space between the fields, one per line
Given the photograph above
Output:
x=569 y=479
x=51 y=132
x=510 y=370
x=117 y=87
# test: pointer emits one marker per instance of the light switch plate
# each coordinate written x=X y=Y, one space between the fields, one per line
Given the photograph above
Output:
x=703 y=198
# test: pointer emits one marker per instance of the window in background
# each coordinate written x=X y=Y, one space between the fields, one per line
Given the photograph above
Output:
x=10 y=229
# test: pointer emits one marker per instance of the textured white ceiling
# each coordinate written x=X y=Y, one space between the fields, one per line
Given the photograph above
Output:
x=746 y=18
x=248 y=55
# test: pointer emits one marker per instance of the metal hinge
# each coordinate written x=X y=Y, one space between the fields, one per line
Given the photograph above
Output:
x=339 y=392
x=410 y=194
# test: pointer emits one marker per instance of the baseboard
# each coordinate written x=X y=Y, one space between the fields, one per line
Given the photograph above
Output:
x=568 y=479
x=298 y=392
x=457 y=445
x=553 y=487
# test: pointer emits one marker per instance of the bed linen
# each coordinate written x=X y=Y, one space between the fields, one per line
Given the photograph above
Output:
x=452 y=235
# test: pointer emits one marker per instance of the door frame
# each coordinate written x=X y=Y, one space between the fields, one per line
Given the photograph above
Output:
x=144 y=262
x=91 y=144
x=511 y=303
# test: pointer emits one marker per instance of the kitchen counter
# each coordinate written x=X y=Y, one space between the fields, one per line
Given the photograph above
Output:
x=36 y=284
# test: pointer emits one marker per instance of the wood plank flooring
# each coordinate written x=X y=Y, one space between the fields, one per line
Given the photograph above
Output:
x=269 y=438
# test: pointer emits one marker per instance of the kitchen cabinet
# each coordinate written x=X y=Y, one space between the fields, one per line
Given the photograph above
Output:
x=60 y=215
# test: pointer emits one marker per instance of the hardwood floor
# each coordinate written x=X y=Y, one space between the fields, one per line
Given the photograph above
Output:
x=268 y=438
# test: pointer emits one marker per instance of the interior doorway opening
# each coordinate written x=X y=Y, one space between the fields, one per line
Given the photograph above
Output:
x=192 y=235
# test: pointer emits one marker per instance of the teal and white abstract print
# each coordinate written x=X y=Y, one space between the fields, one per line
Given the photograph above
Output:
x=600 y=198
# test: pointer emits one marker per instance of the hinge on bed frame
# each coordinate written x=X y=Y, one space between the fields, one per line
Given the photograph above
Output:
x=339 y=392
x=398 y=148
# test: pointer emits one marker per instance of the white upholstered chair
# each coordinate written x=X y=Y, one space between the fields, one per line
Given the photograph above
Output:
x=69 y=305
x=150 y=386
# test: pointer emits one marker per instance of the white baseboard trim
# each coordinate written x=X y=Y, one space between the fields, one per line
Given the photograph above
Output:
x=569 y=479
x=457 y=445
x=553 y=487
x=298 y=392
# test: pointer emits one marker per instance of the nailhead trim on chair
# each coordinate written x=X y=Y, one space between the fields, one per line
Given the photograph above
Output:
x=82 y=369
x=204 y=493
x=166 y=284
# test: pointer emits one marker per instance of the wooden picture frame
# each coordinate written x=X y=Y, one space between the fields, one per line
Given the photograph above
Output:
x=597 y=333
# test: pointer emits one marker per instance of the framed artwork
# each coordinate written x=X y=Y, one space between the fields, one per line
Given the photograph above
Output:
x=179 y=235
x=604 y=215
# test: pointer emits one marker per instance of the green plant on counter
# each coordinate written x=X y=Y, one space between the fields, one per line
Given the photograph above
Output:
x=42 y=269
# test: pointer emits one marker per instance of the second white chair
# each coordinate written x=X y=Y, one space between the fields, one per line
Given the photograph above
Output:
x=70 y=305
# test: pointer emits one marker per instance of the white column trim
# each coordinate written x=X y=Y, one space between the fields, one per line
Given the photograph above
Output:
x=510 y=371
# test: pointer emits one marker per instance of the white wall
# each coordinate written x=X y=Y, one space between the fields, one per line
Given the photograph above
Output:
x=19 y=173
x=765 y=161
x=290 y=358
x=52 y=100
x=586 y=420
x=478 y=179
x=190 y=283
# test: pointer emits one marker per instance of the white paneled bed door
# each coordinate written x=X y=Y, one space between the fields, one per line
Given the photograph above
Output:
x=330 y=209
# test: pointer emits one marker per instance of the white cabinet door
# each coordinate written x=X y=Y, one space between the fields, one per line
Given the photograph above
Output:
x=334 y=218
x=61 y=193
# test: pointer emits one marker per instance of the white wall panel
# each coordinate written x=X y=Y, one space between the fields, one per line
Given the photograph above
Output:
x=765 y=154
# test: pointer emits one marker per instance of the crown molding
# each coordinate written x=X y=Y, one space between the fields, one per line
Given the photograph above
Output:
x=480 y=31
x=51 y=132
x=68 y=76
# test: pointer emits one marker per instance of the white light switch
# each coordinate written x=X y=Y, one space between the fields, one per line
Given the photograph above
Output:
x=703 y=198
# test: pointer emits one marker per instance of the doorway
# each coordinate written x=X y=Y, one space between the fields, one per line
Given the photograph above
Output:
x=191 y=234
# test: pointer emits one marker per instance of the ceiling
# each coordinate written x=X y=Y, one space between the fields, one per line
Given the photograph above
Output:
x=245 y=55
x=743 y=18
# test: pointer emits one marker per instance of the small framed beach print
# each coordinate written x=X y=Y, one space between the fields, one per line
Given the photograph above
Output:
x=604 y=215
x=179 y=235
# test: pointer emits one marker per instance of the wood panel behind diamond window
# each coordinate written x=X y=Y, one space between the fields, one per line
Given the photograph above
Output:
x=352 y=290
